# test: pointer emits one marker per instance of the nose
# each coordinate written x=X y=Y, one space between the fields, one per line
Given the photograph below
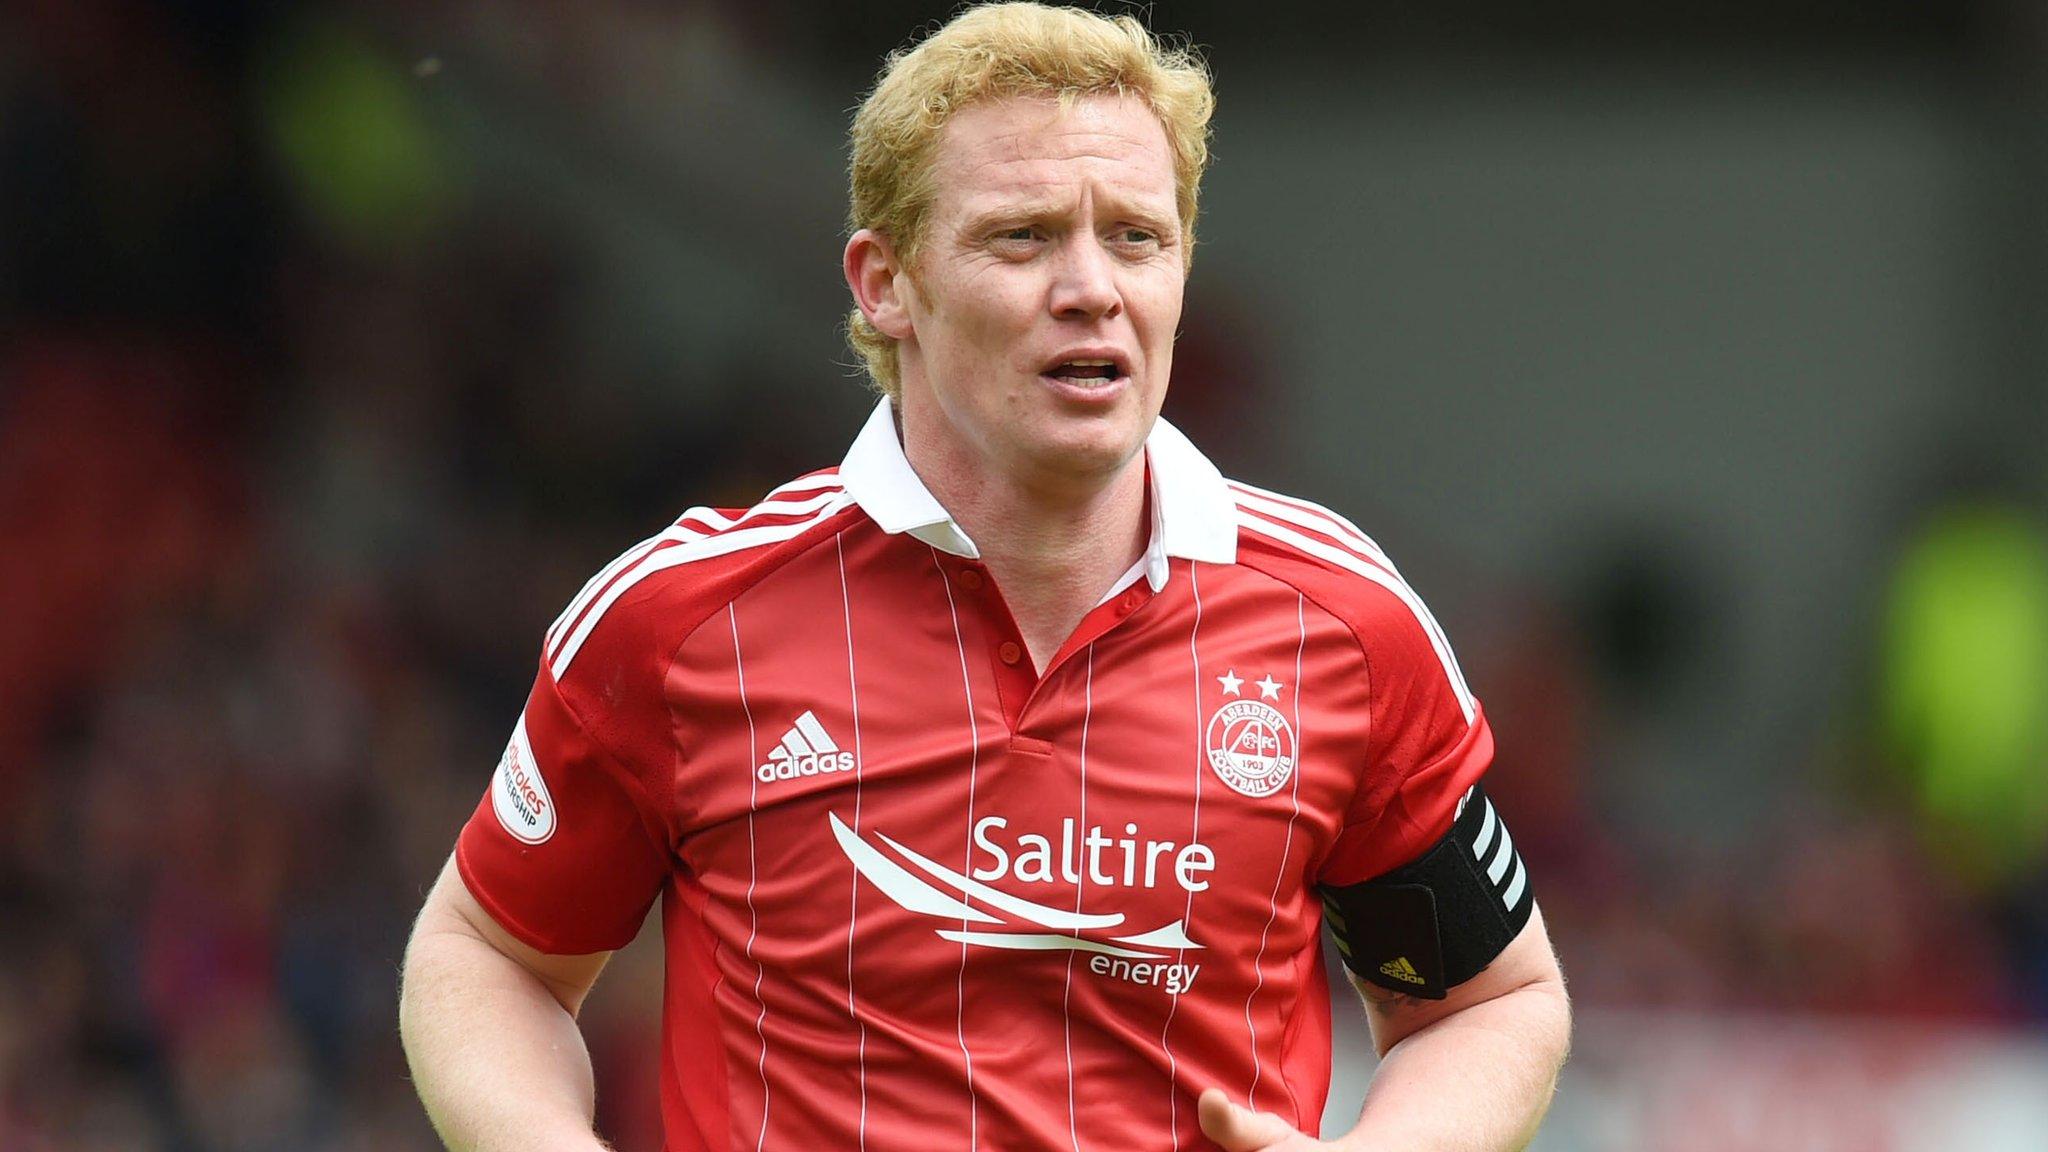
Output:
x=1084 y=285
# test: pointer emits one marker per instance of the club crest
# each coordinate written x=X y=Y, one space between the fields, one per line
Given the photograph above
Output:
x=1250 y=744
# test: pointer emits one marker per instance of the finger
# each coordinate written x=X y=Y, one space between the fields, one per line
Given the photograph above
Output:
x=1238 y=1129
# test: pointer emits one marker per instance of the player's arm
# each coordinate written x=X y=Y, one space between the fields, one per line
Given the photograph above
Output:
x=489 y=1028
x=1472 y=1072
x=1476 y=1069
x=1465 y=998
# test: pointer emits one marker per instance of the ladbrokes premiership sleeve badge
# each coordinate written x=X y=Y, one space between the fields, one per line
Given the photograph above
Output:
x=518 y=794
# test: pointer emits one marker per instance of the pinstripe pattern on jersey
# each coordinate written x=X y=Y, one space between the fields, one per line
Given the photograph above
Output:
x=739 y=670
x=967 y=855
x=1194 y=836
x=1080 y=887
x=853 y=899
x=1251 y=1095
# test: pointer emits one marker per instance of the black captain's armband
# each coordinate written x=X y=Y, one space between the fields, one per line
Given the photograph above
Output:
x=1433 y=924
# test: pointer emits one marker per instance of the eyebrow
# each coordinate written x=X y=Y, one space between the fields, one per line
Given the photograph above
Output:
x=990 y=218
x=1038 y=209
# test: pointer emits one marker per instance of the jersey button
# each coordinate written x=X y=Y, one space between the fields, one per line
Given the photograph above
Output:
x=970 y=580
x=1009 y=653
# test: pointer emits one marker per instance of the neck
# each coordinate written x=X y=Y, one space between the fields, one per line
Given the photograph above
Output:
x=1054 y=544
x=1083 y=540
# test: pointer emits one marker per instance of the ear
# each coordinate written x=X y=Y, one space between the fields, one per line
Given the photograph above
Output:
x=875 y=278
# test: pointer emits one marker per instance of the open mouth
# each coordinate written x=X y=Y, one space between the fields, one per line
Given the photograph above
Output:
x=1086 y=373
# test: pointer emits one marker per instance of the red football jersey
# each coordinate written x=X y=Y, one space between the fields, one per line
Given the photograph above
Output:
x=916 y=893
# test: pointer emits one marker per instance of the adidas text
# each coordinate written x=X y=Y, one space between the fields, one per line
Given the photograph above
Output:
x=1400 y=969
x=805 y=750
x=809 y=765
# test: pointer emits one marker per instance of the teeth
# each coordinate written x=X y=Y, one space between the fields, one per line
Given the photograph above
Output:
x=1087 y=373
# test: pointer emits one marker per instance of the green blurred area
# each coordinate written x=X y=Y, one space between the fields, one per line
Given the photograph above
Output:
x=1965 y=686
x=345 y=122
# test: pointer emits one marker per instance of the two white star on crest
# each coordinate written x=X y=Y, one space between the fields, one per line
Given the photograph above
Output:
x=1269 y=688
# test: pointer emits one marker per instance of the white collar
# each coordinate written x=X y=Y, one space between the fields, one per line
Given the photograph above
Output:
x=1193 y=515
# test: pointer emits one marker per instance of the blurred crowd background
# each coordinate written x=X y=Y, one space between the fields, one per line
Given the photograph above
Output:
x=1693 y=359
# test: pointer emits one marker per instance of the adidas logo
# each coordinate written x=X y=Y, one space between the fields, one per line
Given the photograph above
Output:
x=805 y=751
x=1400 y=969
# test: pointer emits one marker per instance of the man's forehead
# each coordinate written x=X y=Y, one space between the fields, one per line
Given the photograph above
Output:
x=1034 y=139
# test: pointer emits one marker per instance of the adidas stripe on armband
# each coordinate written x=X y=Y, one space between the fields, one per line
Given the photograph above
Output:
x=1436 y=922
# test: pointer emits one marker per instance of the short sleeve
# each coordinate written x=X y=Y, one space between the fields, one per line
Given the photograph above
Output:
x=1428 y=743
x=565 y=850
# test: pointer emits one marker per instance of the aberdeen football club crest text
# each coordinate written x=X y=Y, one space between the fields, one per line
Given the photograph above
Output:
x=1249 y=743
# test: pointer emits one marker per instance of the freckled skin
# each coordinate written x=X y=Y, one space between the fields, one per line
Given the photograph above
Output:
x=1051 y=229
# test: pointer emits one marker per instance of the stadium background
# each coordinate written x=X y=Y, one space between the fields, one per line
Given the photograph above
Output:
x=1692 y=358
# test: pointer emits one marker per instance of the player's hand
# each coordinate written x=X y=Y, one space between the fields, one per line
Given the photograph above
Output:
x=1238 y=1129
